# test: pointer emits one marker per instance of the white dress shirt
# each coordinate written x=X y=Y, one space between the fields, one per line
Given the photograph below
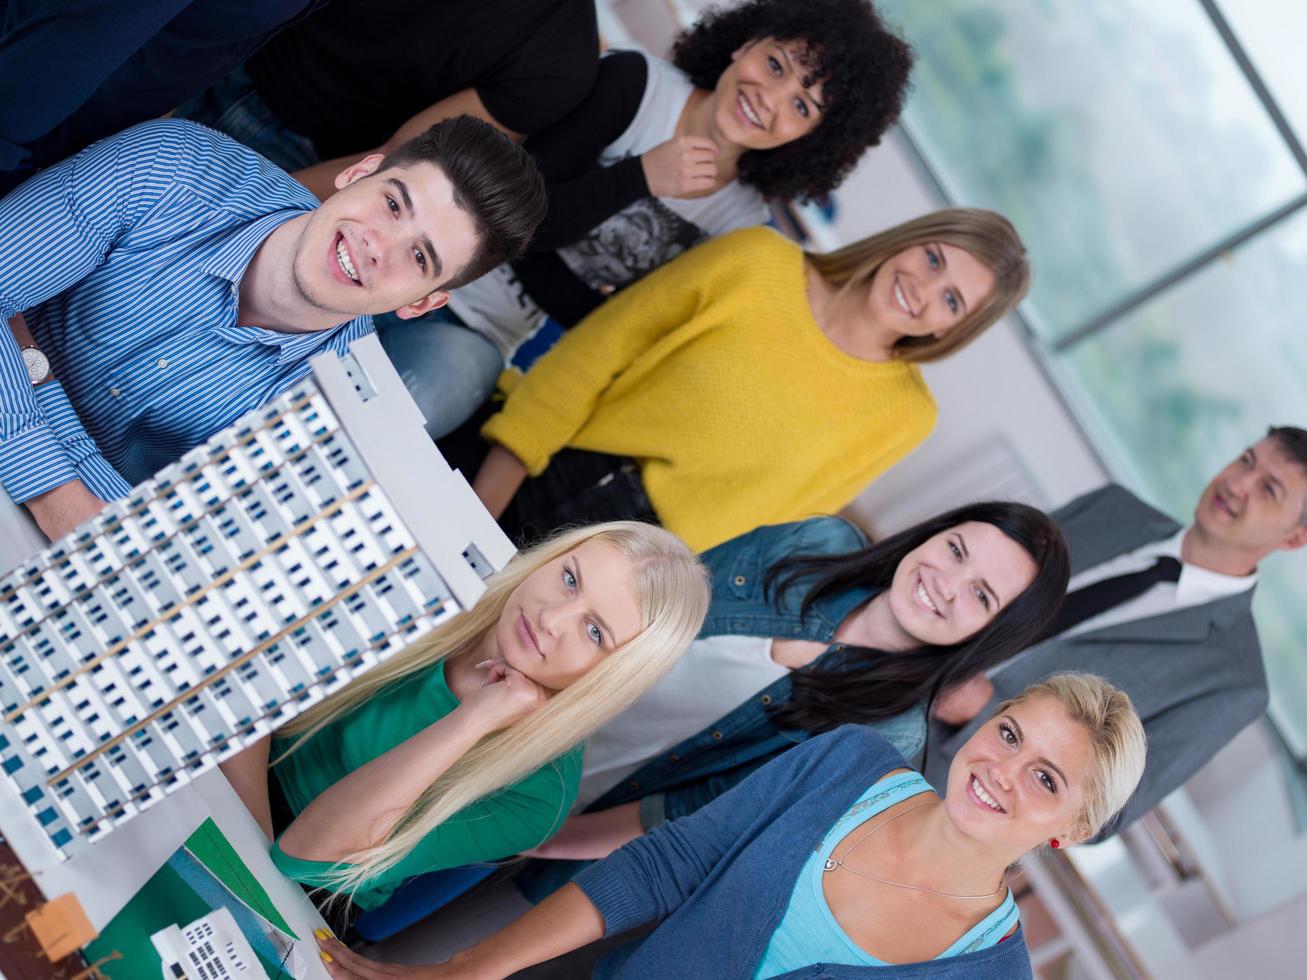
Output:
x=1196 y=585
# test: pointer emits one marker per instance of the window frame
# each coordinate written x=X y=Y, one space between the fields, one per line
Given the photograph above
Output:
x=1048 y=354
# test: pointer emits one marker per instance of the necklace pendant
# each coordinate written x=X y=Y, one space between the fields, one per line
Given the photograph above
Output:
x=830 y=865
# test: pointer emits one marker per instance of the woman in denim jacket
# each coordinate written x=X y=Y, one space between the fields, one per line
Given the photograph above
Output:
x=812 y=627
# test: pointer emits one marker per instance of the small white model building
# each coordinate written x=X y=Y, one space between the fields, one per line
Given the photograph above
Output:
x=288 y=554
x=210 y=948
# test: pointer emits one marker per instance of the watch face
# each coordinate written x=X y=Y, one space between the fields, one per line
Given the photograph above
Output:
x=37 y=364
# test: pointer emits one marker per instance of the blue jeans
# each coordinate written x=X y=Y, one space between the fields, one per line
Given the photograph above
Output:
x=449 y=369
x=232 y=106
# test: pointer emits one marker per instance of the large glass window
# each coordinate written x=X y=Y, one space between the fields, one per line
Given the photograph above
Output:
x=1143 y=150
x=1271 y=33
x=1174 y=389
x=1119 y=136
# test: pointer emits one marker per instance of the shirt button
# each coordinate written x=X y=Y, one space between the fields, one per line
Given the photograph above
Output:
x=162 y=362
x=114 y=392
x=673 y=758
x=739 y=580
x=717 y=736
x=766 y=699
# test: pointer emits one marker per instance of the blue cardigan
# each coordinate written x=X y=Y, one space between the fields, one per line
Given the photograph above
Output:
x=721 y=878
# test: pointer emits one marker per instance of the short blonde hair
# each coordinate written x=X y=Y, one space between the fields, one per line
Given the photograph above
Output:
x=986 y=235
x=672 y=590
x=1116 y=736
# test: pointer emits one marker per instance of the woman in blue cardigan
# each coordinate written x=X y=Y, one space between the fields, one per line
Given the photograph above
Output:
x=811 y=627
x=835 y=859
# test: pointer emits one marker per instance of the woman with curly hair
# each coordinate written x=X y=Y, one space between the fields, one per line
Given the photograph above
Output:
x=764 y=99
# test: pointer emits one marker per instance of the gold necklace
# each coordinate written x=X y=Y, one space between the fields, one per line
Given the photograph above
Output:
x=831 y=864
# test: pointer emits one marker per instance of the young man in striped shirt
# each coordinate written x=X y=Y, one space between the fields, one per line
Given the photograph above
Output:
x=169 y=280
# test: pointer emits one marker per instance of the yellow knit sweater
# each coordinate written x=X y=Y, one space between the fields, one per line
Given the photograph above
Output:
x=712 y=373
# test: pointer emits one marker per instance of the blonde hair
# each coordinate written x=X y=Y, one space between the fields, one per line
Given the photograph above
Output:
x=671 y=588
x=988 y=236
x=1116 y=736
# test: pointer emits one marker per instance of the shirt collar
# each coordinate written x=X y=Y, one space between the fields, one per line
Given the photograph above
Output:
x=298 y=346
x=230 y=261
x=233 y=256
x=1197 y=584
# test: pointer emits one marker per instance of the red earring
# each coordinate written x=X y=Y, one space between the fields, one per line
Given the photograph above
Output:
x=1055 y=843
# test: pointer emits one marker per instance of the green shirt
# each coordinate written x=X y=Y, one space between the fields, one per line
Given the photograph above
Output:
x=504 y=823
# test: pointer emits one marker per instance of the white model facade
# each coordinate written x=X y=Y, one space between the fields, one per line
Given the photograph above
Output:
x=263 y=570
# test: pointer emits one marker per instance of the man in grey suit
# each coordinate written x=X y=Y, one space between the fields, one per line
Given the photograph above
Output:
x=1162 y=611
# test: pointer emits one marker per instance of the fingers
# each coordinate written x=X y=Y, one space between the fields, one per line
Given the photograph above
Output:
x=539 y=694
x=495 y=669
x=343 y=962
x=336 y=971
x=523 y=687
x=698 y=171
x=334 y=958
x=682 y=166
x=517 y=682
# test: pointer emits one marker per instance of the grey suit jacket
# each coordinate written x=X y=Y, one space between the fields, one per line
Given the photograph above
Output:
x=1195 y=675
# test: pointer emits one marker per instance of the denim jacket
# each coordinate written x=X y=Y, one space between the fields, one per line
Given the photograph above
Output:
x=707 y=764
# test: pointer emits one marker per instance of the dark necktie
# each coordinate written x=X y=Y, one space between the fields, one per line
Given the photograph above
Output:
x=1088 y=602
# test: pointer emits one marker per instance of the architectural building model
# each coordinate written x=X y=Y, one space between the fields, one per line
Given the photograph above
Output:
x=266 y=568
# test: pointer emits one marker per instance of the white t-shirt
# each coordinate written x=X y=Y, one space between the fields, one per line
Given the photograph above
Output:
x=629 y=244
x=715 y=676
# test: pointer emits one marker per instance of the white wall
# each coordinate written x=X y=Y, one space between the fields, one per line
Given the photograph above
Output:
x=1274 y=945
x=993 y=390
x=1241 y=798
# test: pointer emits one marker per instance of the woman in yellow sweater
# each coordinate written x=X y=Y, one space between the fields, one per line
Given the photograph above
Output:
x=748 y=382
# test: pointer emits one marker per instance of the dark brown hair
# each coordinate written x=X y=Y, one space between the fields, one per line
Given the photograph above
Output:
x=864 y=685
x=1293 y=443
x=862 y=66
x=495 y=181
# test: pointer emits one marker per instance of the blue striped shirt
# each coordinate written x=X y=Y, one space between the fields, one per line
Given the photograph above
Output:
x=126 y=260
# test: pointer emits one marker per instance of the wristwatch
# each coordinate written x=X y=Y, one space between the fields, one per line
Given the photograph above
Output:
x=37 y=364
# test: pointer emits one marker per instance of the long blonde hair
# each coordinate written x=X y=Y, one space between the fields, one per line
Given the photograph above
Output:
x=987 y=235
x=671 y=588
x=1117 y=741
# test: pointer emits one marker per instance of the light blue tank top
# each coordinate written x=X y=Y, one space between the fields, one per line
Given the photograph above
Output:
x=809 y=932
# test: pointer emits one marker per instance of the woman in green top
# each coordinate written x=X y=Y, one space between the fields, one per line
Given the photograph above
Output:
x=465 y=746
